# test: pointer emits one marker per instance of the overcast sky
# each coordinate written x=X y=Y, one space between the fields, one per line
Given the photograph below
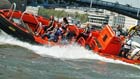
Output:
x=134 y=3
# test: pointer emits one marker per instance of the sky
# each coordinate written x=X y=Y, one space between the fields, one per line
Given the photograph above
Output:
x=134 y=3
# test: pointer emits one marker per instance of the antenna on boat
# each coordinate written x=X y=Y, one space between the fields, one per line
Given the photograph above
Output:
x=12 y=9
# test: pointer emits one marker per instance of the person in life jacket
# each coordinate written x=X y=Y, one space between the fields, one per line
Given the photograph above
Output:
x=51 y=24
x=126 y=47
x=54 y=35
x=49 y=29
x=64 y=26
x=58 y=34
x=86 y=33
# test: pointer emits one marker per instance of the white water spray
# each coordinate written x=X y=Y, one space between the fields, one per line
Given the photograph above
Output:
x=62 y=52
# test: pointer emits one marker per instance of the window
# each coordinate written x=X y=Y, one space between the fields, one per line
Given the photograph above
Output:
x=104 y=38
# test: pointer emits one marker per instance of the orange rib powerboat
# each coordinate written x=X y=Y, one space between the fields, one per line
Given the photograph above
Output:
x=24 y=26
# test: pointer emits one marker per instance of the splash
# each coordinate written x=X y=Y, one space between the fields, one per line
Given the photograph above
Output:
x=62 y=52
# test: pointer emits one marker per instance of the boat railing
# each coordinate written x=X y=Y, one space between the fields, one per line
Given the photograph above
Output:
x=25 y=25
x=12 y=9
x=35 y=17
x=38 y=26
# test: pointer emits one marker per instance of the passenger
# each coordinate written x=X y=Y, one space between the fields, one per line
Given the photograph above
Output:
x=85 y=34
x=58 y=34
x=55 y=35
x=65 y=25
x=126 y=47
x=49 y=30
x=51 y=24
x=65 y=21
x=49 y=35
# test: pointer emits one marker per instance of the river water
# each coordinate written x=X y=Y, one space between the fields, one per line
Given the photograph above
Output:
x=22 y=60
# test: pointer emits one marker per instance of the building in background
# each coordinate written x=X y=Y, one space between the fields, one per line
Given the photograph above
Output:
x=96 y=16
x=106 y=17
x=130 y=22
x=116 y=20
x=98 y=20
x=111 y=18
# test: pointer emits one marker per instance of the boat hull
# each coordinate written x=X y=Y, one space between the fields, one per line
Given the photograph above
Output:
x=103 y=41
x=13 y=30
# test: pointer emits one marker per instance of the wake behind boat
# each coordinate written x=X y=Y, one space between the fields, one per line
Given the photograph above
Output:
x=39 y=30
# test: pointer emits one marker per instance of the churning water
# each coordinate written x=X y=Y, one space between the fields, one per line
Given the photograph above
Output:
x=22 y=60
